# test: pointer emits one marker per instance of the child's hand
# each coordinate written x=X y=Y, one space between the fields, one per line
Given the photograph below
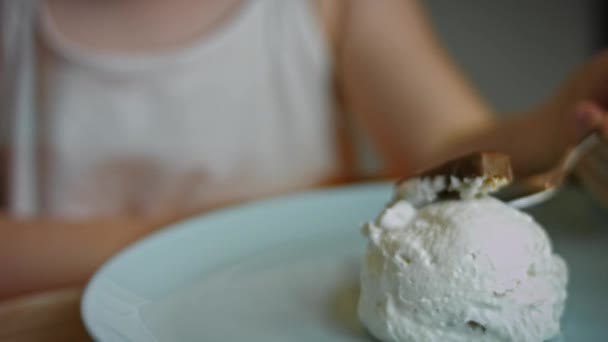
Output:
x=577 y=110
x=592 y=172
x=581 y=107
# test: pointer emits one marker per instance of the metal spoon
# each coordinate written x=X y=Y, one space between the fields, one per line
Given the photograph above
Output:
x=536 y=190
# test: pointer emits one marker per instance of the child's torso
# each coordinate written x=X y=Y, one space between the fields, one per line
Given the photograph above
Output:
x=247 y=111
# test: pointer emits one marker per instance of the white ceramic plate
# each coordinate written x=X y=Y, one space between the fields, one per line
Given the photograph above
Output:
x=284 y=269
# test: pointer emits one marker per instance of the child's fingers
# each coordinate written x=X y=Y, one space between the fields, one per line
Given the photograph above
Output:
x=590 y=117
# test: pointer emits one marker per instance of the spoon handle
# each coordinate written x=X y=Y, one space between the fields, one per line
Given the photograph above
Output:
x=532 y=191
x=579 y=151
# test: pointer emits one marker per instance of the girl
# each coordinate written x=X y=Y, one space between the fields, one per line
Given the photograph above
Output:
x=125 y=114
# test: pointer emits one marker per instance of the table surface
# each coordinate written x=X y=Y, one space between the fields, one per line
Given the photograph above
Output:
x=55 y=315
x=50 y=316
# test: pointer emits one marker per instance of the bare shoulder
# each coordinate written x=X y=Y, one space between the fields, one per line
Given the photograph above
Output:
x=341 y=18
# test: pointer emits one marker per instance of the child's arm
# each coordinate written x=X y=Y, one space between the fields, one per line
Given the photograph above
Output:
x=420 y=110
x=44 y=254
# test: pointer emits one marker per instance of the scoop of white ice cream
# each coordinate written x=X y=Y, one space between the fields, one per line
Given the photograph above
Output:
x=462 y=270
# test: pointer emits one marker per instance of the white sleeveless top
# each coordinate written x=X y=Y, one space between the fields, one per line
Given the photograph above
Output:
x=247 y=111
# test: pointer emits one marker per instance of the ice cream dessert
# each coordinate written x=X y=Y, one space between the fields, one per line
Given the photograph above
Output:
x=462 y=267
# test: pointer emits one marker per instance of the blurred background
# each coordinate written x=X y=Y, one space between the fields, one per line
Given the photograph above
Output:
x=497 y=44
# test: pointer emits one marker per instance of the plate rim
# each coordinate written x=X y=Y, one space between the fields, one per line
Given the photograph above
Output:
x=186 y=223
